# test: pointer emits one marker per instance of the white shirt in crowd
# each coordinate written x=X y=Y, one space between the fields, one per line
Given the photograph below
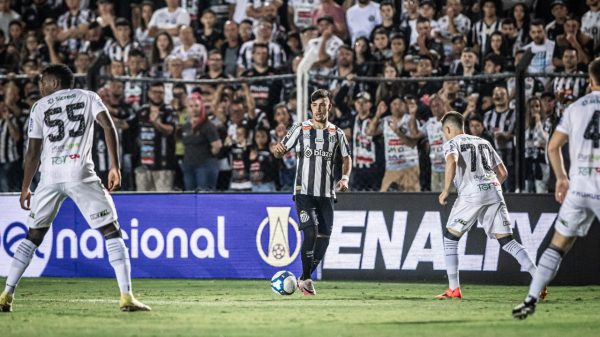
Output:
x=362 y=20
x=197 y=52
x=163 y=19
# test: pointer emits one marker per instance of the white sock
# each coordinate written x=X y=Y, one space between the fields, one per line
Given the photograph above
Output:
x=520 y=254
x=451 y=257
x=118 y=256
x=547 y=269
x=20 y=261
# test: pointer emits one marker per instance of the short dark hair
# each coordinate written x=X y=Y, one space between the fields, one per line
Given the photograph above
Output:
x=569 y=47
x=497 y=60
x=380 y=31
x=255 y=46
x=508 y=21
x=157 y=84
x=454 y=118
x=386 y=3
x=61 y=72
x=422 y=19
x=136 y=52
x=594 y=70
x=320 y=93
x=122 y=22
x=538 y=22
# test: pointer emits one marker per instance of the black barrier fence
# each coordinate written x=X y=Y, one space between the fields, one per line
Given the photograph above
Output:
x=398 y=237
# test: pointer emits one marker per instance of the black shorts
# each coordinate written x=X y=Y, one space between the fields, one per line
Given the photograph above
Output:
x=315 y=211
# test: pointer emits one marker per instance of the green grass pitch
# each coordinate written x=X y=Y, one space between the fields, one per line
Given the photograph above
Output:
x=50 y=307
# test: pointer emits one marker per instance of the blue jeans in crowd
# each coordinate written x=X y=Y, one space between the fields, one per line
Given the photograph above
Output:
x=202 y=177
x=264 y=187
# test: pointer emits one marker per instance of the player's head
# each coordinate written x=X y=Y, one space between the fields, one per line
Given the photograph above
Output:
x=594 y=71
x=55 y=77
x=453 y=124
x=320 y=105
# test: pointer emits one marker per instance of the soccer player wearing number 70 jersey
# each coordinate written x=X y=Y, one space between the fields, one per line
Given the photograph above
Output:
x=477 y=172
x=580 y=197
x=61 y=127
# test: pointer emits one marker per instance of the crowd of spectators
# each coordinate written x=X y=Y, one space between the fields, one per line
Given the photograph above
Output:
x=211 y=137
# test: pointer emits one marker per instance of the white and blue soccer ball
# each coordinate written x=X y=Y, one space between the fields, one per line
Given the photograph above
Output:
x=284 y=283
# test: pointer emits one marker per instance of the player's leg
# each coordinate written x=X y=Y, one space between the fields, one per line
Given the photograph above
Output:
x=306 y=209
x=497 y=223
x=572 y=221
x=98 y=208
x=45 y=204
x=325 y=223
x=461 y=219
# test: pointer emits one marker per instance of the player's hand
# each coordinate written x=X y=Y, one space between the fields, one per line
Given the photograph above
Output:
x=114 y=179
x=562 y=186
x=26 y=199
x=342 y=185
x=279 y=150
x=442 y=198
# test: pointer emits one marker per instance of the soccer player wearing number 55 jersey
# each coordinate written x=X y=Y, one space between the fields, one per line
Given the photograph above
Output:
x=60 y=141
x=477 y=172
x=317 y=143
x=579 y=197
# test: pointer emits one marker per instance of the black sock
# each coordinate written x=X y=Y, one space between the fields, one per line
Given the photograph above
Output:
x=320 y=249
x=308 y=248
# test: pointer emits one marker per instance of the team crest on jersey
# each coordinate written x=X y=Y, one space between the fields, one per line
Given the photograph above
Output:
x=308 y=153
x=304 y=216
x=332 y=138
x=50 y=100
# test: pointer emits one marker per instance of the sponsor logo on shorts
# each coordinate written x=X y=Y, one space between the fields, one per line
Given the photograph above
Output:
x=60 y=160
x=100 y=214
x=587 y=195
x=461 y=221
x=588 y=158
x=304 y=217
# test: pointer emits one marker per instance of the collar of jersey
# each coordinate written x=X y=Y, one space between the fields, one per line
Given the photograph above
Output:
x=327 y=126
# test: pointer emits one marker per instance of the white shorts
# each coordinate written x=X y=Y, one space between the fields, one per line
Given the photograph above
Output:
x=92 y=199
x=577 y=214
x=493 y=217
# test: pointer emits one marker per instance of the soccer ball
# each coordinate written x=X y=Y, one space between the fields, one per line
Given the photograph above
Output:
x=283 y=283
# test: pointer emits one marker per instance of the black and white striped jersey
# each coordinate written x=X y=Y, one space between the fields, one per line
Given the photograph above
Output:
x=9 y=151
x=116 y=52
x=316 y=153
x=480 y=32
x=276 y=55
x=570 y=86
x=503 y=122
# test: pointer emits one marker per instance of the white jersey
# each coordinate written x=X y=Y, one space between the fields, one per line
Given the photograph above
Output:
x=475 y=179
x=432 y=129
x=163 y=19
x=196 y=52
x=65 y=123
x=581 y=122
x=398 y=155
x=303 y=11
x=590 y=24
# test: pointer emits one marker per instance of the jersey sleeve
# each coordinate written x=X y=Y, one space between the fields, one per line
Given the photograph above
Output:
x=564 y=125
x=290 y=139
x=97 y=105
x=344 y=146
x=496 y=160
x=451 y=149
x=36 y=122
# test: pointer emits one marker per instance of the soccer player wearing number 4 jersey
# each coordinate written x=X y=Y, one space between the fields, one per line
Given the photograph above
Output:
x=60 y=141
x=580 y=197
x=478 y=172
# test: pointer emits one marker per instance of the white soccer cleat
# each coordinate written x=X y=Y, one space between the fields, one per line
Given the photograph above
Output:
x=307 y=287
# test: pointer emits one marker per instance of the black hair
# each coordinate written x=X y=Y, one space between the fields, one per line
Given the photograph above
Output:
x=320 y=93
x=594 y=70
x=61 y=72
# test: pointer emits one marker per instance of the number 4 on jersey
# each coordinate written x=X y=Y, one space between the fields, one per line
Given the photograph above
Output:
x=592 y=130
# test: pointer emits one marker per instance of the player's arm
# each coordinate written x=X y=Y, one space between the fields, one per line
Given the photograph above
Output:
x=448 y=178
x=288 y=142
x=110 y=136
x=557 y=141
x=32 y=160
x=501 y=172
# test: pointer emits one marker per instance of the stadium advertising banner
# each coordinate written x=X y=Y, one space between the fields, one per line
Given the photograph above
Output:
x=375 y=236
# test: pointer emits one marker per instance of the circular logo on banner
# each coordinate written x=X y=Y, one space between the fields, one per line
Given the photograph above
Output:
x=278 y=253
x=11 y=237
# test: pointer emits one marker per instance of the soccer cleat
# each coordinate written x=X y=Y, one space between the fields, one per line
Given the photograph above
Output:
x=544 y=293
x=129 y=303
x=523 y=310
x=307 y=287
x=6 y=301
x=449 y=293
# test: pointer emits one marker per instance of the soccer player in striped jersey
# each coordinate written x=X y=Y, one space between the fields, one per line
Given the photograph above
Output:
x=61 y=128
x=317 y=143
x=477 y=172
x=580 y=197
